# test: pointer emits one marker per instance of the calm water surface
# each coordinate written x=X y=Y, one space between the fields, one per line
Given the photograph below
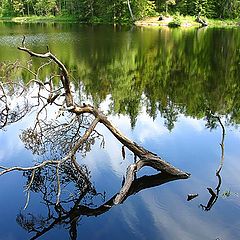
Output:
x=158 y=87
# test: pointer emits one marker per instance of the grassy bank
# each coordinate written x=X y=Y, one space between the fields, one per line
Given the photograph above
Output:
x=186 y=21
x=36 y=19
x=224 y=23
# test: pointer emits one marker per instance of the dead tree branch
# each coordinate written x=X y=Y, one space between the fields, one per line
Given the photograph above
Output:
x=64 y=76
x=214 y=194
x=73 y=108
x=77 y=134
x=153 y=160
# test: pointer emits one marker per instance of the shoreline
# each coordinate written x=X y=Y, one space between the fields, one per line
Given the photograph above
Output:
x=186 y=22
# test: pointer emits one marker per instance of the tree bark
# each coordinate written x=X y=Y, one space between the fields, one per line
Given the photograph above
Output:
x=130 y=9
x=147 y=157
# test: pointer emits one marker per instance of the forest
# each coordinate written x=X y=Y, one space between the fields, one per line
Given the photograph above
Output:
x=119 y=11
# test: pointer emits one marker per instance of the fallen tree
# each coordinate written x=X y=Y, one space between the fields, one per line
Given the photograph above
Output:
x=80 y=124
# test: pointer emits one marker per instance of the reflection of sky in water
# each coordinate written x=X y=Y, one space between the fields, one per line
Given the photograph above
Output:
x=11 y=147
x=12 y=197
x=158 y=213
x=195 y=149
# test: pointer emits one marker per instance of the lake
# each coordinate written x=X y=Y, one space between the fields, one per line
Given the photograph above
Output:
x=175 y=92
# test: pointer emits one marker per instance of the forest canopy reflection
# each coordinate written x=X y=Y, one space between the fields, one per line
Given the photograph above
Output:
x=168 y=71
x=172 y=72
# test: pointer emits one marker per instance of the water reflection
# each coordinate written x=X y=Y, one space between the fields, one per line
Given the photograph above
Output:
x=168 y=75
x=79 y=201
x=167 y=71
x=57 y=138
x=13 y=103
x=54 y=140
x=215 y=194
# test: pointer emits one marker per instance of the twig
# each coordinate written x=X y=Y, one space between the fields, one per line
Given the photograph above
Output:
x=58 y=184
x=28 y=189
x=65 y=76
x=222 y=146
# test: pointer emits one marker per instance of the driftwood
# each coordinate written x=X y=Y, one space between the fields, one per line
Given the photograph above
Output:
x=201 y=21
x=64 y=139
x=191 y=196
x=143 y=157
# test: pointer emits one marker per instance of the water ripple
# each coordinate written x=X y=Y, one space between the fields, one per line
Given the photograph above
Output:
x=40 y=39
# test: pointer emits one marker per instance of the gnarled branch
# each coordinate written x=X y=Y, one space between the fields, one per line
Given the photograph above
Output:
x=64 y=76
x=46 y=134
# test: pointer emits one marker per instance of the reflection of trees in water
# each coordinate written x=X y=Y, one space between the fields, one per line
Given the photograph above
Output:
x=11 y=110
x=57 y=138
x=79 y=202
x=170 y=72
x=75 y=186
x=62 y=129
x=179 y=71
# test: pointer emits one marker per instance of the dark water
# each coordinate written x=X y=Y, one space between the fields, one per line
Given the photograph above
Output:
x=161 y=88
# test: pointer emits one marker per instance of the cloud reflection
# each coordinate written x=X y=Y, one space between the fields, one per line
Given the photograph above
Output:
x=186 y=221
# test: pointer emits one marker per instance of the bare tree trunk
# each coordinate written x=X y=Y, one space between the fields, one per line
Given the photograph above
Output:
x=130 y=9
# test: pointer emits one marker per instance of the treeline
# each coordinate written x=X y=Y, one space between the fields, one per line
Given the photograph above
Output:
x=119 y=10
x=84 y=10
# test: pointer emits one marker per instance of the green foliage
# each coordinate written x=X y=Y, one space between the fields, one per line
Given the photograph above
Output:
x=209 y=8
x=18 y=7
x=172 y=71
x=117 y=10
x=186 y=7
x=143 y=8
x=182 y=74
x=44 y=7
x=176 y=22
x=7 y=8
x=169 y=3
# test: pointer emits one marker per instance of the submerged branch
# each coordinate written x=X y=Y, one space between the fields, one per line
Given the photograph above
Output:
x=131 y=175
x=222 y=147
x=17 y=168
x=137 y=185
x=214 y=194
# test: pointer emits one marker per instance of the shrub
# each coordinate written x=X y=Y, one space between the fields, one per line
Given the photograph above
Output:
x=176 y=22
